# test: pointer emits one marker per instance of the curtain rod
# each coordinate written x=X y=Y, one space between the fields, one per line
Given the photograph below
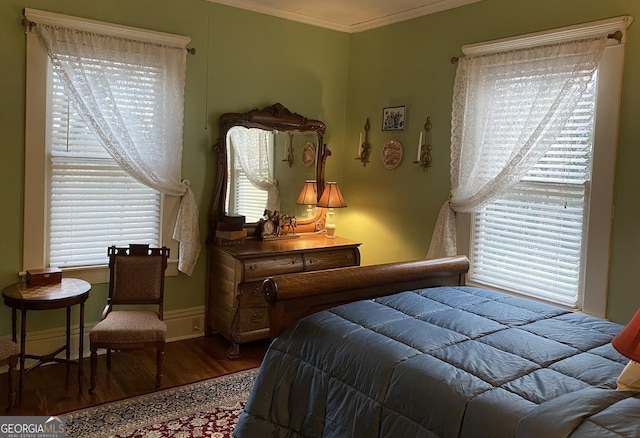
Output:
x=617 y=35
x=29 y=25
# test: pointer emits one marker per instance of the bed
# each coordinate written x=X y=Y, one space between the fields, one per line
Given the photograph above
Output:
x=407 y=350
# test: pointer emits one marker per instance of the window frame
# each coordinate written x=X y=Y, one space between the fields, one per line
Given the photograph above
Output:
x=36 y=175
x=599 y=220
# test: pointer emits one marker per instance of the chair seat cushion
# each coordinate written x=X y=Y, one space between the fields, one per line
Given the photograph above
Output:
x=129 y=326
x=8 y=348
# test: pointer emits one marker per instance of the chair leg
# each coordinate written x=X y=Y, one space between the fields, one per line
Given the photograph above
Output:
x=159 y=359
x=108 y=358
x=94 y=369
x=13 y=362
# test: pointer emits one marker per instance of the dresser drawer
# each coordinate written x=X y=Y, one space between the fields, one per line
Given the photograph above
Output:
x=251 y=294
x=253 y=318
x=334 y=258
x=266 y=266
x=236 y=307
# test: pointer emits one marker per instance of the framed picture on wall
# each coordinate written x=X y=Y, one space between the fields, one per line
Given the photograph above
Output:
x=393 y=118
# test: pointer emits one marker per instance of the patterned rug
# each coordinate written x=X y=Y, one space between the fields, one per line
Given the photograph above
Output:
x=204 y=409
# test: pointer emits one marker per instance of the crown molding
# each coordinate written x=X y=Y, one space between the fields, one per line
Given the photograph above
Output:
x=292 y=16
x=433 y=8
x=438 y=6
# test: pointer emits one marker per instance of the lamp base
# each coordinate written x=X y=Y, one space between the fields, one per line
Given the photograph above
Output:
x=330 y=225
x=629 y=379
x=331 y=230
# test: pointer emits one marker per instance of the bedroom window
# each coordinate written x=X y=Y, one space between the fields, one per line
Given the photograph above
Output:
x=92 y=140
x=548 y=236
x=530 y=239
x=533 y=156
x=93 y=203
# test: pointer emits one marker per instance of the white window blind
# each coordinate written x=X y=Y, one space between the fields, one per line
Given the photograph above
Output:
x=93 y=202
x=244 y=198
x=255 y=148
x=531 y=240
x=252 y=200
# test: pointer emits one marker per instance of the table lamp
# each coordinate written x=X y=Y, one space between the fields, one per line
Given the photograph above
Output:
x=331 y=198
x=627 y=342
x=308 y=196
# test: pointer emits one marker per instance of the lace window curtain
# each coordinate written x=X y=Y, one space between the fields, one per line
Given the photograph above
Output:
x=489 y=156
x=256 y=161
x=147 y=146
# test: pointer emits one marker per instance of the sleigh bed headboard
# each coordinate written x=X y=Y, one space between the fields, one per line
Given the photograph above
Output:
x=292 y=296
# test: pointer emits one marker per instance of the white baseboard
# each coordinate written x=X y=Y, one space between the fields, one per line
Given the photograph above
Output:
x=181 y=324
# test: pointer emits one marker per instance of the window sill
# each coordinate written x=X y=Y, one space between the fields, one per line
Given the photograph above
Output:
x=100 y=273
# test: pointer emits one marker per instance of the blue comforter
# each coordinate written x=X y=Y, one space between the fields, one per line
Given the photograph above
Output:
x=445 y=362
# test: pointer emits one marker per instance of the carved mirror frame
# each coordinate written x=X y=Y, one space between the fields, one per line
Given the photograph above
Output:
x=274 y=117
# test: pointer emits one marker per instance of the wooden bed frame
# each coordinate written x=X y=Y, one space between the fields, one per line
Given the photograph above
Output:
x=292 y=296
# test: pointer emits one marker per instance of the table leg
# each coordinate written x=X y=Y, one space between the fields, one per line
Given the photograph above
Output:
x=13 y=324
x=68 y=337
x=81 y=345
x=23 y=346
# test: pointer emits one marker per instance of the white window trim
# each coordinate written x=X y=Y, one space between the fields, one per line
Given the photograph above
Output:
x=110 y=29
x=595 y=297
x=563 y=34
x=36 y=169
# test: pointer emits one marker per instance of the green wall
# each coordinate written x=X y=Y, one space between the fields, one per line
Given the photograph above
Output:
x=243 y=61
x=246 y=60
x=394 y=211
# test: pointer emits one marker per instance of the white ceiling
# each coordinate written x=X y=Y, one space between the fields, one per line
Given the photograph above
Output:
x=346 y=15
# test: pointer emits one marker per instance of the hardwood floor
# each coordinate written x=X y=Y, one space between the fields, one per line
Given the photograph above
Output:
x=52 y=389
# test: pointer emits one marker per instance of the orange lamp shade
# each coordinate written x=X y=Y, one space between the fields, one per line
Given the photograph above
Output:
x=627 y=342
x=309 y=193
x=331 y=197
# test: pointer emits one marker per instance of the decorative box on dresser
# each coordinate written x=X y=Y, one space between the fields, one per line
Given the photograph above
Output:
x=235 y=306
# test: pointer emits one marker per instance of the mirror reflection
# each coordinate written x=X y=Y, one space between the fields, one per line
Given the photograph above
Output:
x=264 y=158
x=267 y=169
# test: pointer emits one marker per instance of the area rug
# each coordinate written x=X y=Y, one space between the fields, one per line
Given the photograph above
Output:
x=209 y=408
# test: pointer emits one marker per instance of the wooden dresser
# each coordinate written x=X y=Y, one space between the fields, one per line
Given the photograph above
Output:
x=235 y=306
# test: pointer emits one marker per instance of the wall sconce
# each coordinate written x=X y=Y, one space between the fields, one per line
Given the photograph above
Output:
x=364 y=148
x=331 y=198
x=308 y=196
x=288 y=151
x=424 y=150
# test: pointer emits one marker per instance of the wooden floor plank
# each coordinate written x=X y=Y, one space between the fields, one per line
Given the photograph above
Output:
x=52 y=389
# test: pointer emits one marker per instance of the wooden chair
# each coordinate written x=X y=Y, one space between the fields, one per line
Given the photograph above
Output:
x=9 y=353
x=136 y=277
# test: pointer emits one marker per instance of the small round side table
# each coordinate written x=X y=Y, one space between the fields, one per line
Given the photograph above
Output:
x=69 y=292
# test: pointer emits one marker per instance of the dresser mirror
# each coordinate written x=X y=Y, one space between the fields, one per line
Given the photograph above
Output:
x=264 y=158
